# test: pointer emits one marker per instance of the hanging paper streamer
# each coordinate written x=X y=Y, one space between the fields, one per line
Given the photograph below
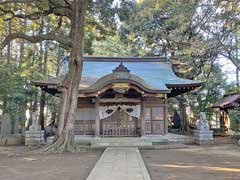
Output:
x=106 y=111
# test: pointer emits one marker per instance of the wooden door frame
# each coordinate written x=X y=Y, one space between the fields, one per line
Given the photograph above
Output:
x=135 y=123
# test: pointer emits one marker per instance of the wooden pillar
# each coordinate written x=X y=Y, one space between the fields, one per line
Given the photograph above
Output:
x=97 y=118
x=221 y=119
x=165 y=114
x=142 y=120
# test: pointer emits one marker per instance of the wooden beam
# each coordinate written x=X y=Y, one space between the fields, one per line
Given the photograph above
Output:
x=165 y=115
x=119 y=100
x=142 y=118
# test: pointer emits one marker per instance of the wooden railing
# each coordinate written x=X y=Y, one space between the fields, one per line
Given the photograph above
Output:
x=119 y=131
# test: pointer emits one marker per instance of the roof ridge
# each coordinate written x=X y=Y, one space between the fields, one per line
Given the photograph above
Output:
x=126 y=59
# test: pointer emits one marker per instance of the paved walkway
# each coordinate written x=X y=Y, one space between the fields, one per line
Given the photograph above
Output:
x=120 y=164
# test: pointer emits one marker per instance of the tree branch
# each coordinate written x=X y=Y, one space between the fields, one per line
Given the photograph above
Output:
x=233 y=59
x=58 y=3
x=68 y=3
x=62 y=40
x=32 y=16
x=56 y=10
x=227 y=52
x=2 y=2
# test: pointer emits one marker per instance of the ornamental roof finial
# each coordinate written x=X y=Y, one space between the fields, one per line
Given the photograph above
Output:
x=121 y=68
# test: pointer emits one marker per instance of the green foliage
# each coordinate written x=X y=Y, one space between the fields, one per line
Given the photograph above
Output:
x=111 y=46
x=157 y=25
x=182 y=30
x=16 y=88
x=210 y=93
x=189 y=32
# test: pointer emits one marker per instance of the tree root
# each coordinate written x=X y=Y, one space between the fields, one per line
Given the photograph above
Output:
x=64 y=143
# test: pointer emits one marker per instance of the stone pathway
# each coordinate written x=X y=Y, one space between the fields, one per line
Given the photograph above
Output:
x=120 y=164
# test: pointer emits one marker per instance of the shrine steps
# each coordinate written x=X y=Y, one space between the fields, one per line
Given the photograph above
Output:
x=146 y=141
x=120 y=142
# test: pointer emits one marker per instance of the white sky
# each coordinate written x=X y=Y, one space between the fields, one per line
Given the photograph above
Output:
x=228 y=69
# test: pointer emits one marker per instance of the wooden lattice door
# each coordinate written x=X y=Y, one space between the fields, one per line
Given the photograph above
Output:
x=119 y=124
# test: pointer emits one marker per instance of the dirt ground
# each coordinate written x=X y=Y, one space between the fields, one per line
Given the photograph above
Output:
x=16 y=163
x=215 y=162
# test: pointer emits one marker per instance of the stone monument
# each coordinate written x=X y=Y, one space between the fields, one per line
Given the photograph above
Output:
x=6 y=125
x=35 y=136
x=6 y=136
x=16 y=126
x=203 y=135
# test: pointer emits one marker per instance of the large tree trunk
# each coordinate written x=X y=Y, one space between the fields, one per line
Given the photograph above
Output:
x=69 y=88
x=43 y=94
x=8 y=66
x=9 y=46
x=41 y=109
x=184 y=123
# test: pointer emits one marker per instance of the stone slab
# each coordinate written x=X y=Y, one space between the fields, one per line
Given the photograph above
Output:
x=120 y=164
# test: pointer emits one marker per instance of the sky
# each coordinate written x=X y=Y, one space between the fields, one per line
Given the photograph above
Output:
x=228 y=69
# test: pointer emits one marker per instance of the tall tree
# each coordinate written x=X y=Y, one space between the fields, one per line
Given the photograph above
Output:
x=75 y=12
x=67 y=29
x=174 y=29
x=71 y=82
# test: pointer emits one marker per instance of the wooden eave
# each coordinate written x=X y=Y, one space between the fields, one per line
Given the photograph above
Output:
x=178 y=89
x=51 y=88
x=119 y=100
x=184 y=85
x=135 y=85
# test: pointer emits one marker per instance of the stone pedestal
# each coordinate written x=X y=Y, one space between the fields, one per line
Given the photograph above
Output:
x=203 y=137
x=34 y=137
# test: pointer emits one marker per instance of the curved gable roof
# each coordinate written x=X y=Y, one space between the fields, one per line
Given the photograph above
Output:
x=124 y=76
x=153 y=73
x=156 y=74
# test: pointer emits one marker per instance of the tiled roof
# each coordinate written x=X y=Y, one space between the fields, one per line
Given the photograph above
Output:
x=228 y=101
x=154 y=73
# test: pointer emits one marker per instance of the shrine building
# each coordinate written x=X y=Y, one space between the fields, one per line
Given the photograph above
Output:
x=123 y=96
